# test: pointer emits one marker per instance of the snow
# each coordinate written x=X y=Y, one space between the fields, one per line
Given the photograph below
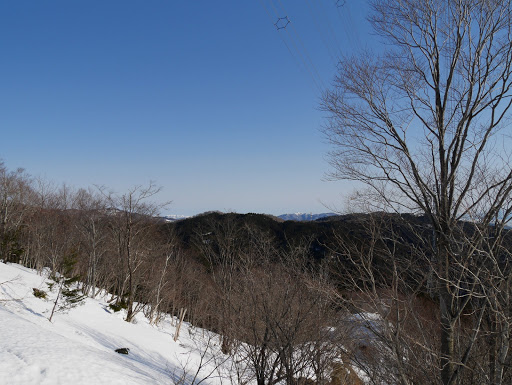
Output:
x=78 y=346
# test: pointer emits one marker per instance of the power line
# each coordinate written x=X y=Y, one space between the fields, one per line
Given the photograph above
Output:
x=320 y=32
x=303 y=52
x=323 y=24
x=347 y=23
x=291 y=40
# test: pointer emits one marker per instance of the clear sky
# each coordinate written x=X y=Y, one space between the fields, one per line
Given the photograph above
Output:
x=207 y=98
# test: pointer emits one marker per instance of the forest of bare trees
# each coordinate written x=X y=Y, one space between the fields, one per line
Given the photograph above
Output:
x=267 y=303
x=367 y=307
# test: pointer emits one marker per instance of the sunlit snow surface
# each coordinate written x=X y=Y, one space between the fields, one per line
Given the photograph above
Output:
x=78 y=347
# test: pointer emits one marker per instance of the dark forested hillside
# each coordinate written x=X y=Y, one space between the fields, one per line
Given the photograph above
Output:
x=319 y=234
x=321 y=237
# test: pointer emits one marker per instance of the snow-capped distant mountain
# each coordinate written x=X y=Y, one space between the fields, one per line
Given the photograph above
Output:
x=305 y=216
x=172 y=218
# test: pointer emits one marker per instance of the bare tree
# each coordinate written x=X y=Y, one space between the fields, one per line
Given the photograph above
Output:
x=208 y=363
x=170 y=278
x=16 y=196
x=423 y=126
x=284 y=325
x=90 y=221
x=49 y=229
x=383 y=275
x=221 y=245
x=132 y=223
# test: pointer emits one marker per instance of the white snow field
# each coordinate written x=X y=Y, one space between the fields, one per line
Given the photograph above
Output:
x=78 y=346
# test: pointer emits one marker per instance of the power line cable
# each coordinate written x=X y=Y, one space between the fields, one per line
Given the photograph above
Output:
x=321 y=33
x=345 y=16
x=294 y=49
x=331 y=31
x=301 y=48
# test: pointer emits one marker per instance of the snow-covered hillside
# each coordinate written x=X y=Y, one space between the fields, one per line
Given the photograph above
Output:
x=78 y=347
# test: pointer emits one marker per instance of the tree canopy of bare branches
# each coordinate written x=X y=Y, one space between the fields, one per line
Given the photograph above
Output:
x=424 y=125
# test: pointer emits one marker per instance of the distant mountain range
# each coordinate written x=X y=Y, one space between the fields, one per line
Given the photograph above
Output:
x=305 y=216
x=172 y=218
x=285 y=217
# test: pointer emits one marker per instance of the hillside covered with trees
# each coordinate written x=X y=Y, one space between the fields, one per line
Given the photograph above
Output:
x=284 y=295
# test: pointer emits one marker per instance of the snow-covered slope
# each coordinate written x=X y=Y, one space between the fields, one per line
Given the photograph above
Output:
x=78 y=347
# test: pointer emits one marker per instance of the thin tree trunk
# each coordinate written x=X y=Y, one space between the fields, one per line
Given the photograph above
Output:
x=55 y=303
x=182 y=316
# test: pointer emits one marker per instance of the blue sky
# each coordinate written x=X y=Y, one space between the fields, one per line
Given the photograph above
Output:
x=207 y=98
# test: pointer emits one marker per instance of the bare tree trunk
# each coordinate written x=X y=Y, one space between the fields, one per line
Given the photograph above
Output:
x=178 y=328
x=55 y=302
